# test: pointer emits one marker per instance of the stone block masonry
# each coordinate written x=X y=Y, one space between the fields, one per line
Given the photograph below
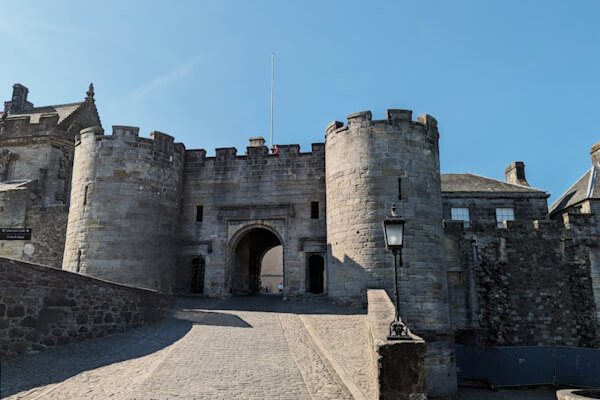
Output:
x=370 y=165
x=398 y=366
x=42 y=307
x=125 y=204
x=527 y=284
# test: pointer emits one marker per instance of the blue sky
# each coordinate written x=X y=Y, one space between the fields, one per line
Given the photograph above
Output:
x=509 y=80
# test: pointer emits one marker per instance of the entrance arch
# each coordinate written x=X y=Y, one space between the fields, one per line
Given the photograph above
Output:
x=248 y=253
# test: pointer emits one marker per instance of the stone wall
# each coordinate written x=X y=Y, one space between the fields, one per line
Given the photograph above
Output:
x=371 y=165
x=482 y=206
x=125 y=205
x=46 y=158
x=43 y=307
x=398 y=366
x=257 y=190
x=48 y=227
x=527 y=284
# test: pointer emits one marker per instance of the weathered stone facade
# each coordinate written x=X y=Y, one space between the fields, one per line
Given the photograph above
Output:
x=119 y=178
x=526 y=285
x=148 y=212
x=36 y=163
x=43 y=307
x=246 y=195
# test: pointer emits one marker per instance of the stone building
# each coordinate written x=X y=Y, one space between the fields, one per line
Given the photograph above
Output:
x=485 y=262
x=36 y=163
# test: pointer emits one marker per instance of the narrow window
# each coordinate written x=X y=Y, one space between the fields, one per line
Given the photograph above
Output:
x=460 y=214
x=199 y=213
x=399 y=188
x=504 y=214
x=85 y=193
x=78 y=260
x=314 y=210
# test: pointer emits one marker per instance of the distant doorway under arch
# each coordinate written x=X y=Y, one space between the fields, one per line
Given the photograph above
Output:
x=316 y=274
x=248 y=255
x=271 y=271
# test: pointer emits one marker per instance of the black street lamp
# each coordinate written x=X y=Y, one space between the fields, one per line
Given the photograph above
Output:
x=393 y=230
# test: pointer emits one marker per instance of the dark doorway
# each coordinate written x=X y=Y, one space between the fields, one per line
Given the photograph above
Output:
x=316 y=269
x=197 y=275
x=248 y=255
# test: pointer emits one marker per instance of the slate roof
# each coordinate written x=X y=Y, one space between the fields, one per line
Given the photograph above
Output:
x=480 y=184
x=63 y=111
x=586 y=187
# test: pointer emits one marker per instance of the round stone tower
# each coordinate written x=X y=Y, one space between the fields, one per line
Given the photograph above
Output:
x=370 y=165
x=125 y=202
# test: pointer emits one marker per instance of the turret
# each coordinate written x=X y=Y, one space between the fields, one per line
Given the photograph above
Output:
x=370 y=165
x=125 y=204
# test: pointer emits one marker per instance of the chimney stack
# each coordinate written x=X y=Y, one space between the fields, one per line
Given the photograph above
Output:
x=19 y=99
x=515 y=173
x=257 y=141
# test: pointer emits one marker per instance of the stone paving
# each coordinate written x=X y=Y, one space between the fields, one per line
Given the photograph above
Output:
x=242 y=348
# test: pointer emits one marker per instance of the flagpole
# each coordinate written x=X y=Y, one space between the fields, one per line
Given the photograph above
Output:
x=272 y=84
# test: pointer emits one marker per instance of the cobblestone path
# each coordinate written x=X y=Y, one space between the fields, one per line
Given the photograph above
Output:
x=242 y=348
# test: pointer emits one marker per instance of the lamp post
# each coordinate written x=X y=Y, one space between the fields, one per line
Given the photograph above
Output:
x=393 y=230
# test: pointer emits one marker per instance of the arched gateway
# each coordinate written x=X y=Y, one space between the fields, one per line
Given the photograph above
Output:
x=248 y=252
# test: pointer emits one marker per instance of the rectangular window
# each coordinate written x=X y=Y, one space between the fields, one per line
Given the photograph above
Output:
x=504 y=214
x=399 y=188
x=314 y=210
x=460 y=214
x=85 y=192
x=199 y=213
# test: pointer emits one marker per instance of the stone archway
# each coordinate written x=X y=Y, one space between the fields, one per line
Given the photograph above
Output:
x=248 y=252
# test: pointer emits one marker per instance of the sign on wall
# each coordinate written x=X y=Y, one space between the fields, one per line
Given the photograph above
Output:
x=15 y=233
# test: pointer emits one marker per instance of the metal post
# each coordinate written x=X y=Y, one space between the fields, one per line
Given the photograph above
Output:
x=398 y=330
x=396 y=296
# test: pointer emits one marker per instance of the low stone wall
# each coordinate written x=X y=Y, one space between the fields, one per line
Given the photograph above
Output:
x=578 y=394
x=42 y=307
x=398 y=365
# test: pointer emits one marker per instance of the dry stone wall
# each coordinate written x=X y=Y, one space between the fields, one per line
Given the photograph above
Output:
x=43 y=307
x=125 y=204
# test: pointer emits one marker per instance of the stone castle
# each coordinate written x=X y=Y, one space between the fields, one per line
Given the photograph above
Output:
x=485 y=262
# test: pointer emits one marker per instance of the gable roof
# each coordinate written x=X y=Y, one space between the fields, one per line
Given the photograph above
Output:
x=468 y=182
x=585 y=188
x=63 y=111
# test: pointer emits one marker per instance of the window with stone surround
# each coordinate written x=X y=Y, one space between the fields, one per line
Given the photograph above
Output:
x=460 y=214
x=199 y=213
x=504 y=214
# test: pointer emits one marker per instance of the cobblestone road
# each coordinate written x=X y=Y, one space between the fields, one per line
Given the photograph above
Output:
x=242 y=348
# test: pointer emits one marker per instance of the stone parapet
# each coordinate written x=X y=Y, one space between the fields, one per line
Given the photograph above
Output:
x=398 y=365
x=43 y=307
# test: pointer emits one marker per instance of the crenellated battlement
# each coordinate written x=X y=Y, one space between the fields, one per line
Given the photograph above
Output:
x=128 y=136
x=24 y=126
x=394 y=117
x=257 y=159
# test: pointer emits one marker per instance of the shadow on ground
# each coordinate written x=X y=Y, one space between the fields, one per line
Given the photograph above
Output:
x=34 y=370
x=265 y=303
x=57 y=365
